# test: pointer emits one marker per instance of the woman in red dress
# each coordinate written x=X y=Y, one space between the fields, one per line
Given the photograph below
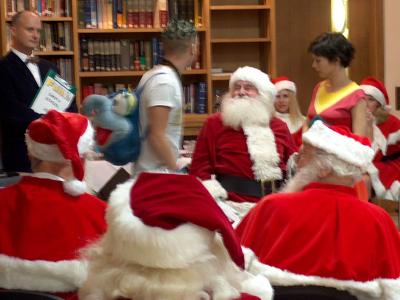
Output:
x=337 y=99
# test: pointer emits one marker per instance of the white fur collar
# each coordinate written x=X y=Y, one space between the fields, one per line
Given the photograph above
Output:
x=262 y=150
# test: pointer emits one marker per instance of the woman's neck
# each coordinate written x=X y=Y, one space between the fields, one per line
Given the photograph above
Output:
x=337 y=80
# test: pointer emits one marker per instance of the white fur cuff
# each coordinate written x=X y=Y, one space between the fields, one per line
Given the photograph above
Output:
x=215 y=189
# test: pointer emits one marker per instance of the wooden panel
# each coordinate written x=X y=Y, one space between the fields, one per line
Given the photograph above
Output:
x=231 y=56
x=238 y=24
x=297 y=24
x=366 y=34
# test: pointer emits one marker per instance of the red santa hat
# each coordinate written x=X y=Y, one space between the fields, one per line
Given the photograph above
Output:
x=258 y=78
x=168 y=221
x=339 y=141
x=62 y=137
x=376 y=89
x=283 y=83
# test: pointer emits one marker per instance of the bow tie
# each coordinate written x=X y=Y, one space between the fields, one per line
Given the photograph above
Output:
x=32 y=60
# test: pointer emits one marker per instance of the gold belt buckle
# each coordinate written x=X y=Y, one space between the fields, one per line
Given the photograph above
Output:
x=273 y=186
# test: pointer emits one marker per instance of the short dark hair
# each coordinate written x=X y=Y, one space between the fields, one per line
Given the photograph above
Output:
x=333 y=45
x=178 y=36
x=15 y=18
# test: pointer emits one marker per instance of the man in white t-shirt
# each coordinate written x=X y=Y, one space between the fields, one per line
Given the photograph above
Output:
x=161 y=100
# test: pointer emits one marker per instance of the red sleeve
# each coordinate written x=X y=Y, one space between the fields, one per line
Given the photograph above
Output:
x=203 y=161
x=285 y=144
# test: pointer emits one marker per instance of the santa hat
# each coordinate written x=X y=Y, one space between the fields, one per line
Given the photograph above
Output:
x=258 y=78
x=62 y=137
x=376 y=89
x=283 y=83
x=167 y=221
x=351 y=148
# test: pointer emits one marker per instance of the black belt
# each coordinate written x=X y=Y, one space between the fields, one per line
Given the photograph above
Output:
x=248 y=187
x=390 y=157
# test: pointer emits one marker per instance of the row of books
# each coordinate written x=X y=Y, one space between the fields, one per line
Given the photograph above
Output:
x=109 y=14
x=195 y=94
x=195 y=98
x=65 y=66
x=122 y=55
x=119 y=55
x=56 y=36
x=48 y=8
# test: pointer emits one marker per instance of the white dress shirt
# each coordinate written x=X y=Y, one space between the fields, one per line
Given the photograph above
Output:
x=34 y=68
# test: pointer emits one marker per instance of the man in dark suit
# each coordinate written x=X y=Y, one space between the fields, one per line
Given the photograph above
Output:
x=21 y=75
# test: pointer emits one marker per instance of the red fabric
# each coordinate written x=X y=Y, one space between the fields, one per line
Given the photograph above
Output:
x=63 y=130
x=340 y=112
x=154 y=200
x=223 y=150
x=242 y=297
x=39 y=221
x=326 y=231
x=389 y=171
x=297 y=137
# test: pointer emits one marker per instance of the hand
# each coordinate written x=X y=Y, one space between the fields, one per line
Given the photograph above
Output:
x=370 y=118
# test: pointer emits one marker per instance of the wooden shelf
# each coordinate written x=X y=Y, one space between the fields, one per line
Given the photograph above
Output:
x=54 y=53
x=221 y=77
x=239 y=40
x=130 y=73
x=239 y=7
x=51 y=19
x=125 y=30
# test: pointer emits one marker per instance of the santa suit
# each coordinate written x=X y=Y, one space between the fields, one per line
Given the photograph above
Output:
x=385 y=174
x=324 y=235
x=42 y=230
x=247 y=152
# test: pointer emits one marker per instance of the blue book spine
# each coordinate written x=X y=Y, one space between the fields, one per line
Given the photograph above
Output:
x=201 y=107
x=154 y=46
x=115 y=13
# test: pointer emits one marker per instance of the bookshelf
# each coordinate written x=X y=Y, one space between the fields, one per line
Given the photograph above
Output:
x=232 y=33
x=242 y=32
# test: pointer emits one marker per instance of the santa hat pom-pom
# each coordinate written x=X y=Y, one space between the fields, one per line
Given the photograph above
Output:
x=75 y=187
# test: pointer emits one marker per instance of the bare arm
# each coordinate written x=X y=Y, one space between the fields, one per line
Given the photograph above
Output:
x=360 y=125
x=158 y=120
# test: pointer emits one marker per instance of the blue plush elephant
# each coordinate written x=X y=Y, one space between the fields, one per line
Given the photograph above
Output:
x=116 y=122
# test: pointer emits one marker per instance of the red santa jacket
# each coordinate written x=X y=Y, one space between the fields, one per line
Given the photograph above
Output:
x=42 y=230
x=385 y=174
x=223 y=150
x=323 y=231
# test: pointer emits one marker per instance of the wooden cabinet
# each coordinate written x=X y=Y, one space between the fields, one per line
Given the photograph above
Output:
x=232 y=33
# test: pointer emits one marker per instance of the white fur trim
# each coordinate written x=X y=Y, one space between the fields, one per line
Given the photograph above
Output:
x=75 y=187
x=345 y=148
x=262 y=149
x=374 y=93
x=394 y=137
x=393 y=193
x=258 y=78
x=258 y=286
x=380 y=142
x=378 y=289
x=215 y=189
x=285 y=85
x=41 y=275
x=52 y=152
x=129 y=239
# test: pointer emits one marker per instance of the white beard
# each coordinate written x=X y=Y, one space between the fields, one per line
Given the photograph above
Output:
x=244 y=111
x=303 y=177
